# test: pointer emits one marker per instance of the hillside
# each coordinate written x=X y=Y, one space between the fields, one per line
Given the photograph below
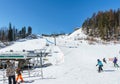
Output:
x=103 y=24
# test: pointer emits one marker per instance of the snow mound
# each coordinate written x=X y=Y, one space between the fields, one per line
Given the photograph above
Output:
x=77 y=34
x=27 y=45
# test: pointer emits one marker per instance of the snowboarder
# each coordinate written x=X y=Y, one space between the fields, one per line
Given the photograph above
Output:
x=115 y=62
x=10 y=72
x=104 y=60
x=100 y=65
x=19 y=75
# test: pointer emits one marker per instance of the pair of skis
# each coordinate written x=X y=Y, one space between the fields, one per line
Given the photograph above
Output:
x=30 y=81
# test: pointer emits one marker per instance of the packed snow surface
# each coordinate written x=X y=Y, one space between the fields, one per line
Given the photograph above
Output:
x=77 y=66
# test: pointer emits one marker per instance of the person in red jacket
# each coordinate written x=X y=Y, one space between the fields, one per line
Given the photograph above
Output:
x=19 y=75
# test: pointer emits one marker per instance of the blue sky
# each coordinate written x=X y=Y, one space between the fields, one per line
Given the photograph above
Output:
x=51 y=16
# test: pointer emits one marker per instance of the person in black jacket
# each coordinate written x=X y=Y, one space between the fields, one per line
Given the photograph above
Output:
x=104 y=60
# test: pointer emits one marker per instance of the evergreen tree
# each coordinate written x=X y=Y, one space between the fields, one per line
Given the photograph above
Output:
x=23 y=32
x=29 y=30
x=103 y=24
x=10 y=33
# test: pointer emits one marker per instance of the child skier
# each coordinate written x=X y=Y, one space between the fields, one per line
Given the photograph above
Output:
x=19 y=75
x=100 y=65
x=104 y=60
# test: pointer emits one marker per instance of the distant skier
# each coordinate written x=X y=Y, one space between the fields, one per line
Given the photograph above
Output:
x=115 y=62
x=100 y=65
x=104 y=60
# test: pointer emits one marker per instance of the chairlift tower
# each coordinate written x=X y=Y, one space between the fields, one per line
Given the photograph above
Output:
x=40 y=54
x=54 y=36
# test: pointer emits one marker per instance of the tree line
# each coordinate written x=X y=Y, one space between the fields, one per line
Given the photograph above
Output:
x=53 y=35
x=104 y=24
x=12 y=33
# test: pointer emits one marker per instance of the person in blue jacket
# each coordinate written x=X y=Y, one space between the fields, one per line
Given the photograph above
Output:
x=100 y=65
x=115 y=62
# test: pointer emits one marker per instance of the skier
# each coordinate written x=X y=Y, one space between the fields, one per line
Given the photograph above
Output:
x=115 y=62
x=10 y=73
x=19 y=75
x=100 y=65
x=104 y=60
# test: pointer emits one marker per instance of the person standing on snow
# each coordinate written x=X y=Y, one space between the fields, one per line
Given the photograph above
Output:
x=100 y=65
x=10 y=73
x=115 y=62
x=19 y=75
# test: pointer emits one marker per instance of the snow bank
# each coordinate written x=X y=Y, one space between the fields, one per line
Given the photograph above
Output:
x=26 y=45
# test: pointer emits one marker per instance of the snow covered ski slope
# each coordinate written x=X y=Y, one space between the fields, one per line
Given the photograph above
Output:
x=78 y=66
